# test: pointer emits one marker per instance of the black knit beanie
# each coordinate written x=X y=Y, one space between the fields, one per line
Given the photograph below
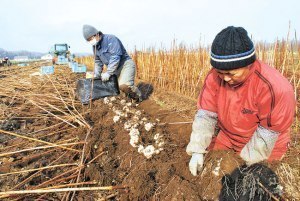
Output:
x=231 y=49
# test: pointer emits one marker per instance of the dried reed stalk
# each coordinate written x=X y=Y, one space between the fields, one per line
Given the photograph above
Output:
x=82 y=159
x=38 y=172
x=37 y=140
x=35 y=169
x=107 y=188
x=38 y=148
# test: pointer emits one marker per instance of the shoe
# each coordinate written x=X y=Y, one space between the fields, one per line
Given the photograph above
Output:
x=132 y=92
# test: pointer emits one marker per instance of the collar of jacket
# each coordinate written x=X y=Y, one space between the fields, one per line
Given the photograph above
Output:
x=98 y=45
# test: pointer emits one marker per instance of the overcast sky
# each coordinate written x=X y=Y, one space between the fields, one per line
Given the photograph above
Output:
x=35 y=25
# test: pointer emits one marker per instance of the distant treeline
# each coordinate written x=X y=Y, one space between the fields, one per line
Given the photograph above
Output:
x=32 y=55
x=12 y=54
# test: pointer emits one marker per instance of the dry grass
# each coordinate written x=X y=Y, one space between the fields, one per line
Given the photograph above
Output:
x=54 y=95
x=182 y=69
x=289 y=178
x=48 y=104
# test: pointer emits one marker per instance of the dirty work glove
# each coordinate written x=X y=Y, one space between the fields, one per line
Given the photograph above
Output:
x=105 y=76
x=196 y=163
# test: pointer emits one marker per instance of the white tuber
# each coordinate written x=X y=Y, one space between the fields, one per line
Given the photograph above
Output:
x=135 y=118
x=156 y=136
x=149 y=151
x=126 y=109
x=106 y=100
x=113 y=99
x=116 y=118
x=160 y=143
x=127 y=125
x=135 y=125
x=134 y=140
x=148 y=126
x=120 y=113
x=138 y=112
x=141 y=149
x=216 y=170
x=123 y=102
x=134 y=132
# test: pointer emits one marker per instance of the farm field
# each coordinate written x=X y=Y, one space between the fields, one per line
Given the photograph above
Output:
x=52 y=144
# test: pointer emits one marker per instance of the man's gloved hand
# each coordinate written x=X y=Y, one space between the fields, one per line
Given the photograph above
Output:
x=196 y=163
x=105 y=76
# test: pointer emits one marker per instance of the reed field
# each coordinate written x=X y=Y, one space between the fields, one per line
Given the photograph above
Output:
x=182 y=69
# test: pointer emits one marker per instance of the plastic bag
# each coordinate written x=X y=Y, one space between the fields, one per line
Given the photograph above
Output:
x=100 y=89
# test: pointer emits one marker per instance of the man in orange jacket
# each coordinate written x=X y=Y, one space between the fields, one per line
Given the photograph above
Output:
x=250 y=103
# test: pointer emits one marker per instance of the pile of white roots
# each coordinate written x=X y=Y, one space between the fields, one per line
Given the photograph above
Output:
x=127 y=113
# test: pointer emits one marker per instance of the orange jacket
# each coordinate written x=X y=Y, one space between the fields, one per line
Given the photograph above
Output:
x=265 y=98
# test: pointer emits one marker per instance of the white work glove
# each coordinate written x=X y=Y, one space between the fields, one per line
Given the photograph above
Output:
x=260 y=146
x=105 y=76
x=196 y=163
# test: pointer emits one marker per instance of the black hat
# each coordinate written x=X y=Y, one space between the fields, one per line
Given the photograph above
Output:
x=231 y=49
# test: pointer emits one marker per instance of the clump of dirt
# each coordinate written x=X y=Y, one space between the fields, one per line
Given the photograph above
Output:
x=10 y=125
x=180 y=189
x=142 y=184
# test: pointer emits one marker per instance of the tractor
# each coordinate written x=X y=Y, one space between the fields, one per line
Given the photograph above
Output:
x=60 y=54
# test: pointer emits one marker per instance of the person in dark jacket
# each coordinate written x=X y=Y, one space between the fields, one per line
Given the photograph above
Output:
x=109 y=51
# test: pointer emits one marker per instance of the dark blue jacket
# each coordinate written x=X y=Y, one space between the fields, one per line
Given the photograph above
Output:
x=111 y=52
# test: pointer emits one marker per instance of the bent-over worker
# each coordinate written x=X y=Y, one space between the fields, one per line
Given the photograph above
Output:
x=245 y=105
